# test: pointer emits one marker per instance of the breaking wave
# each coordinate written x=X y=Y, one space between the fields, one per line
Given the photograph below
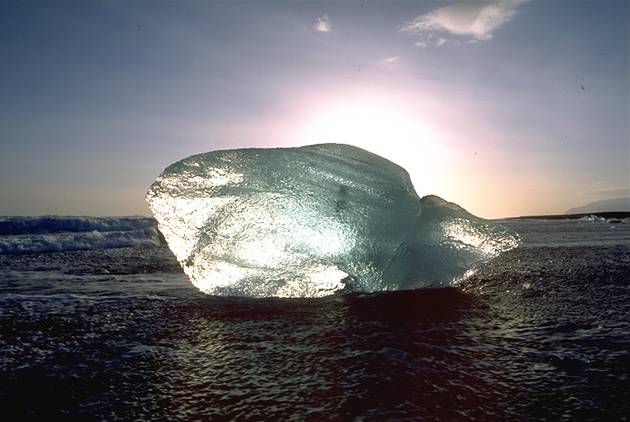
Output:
x=57 y=234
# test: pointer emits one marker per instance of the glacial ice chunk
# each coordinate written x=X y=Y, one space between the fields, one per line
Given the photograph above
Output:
x=313 y=220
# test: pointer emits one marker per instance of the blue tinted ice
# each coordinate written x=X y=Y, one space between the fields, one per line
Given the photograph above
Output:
x=309 y=221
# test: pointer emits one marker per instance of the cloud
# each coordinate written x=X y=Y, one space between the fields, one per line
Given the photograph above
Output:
x=322 y=24
x=389 y=63
x=391 y=60
x=471 y=20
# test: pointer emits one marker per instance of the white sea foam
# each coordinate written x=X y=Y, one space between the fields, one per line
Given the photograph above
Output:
x=55 y=234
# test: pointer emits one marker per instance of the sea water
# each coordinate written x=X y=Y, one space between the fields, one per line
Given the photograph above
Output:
x=98 y=331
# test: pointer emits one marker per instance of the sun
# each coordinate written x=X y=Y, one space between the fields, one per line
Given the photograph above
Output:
x=386 y=128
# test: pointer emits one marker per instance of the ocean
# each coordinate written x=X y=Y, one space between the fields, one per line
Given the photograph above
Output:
x=97 y=322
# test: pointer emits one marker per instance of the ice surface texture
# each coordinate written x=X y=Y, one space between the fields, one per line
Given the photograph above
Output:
x=309 y=221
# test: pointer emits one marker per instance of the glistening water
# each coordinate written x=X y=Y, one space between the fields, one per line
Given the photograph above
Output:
x=541 y=333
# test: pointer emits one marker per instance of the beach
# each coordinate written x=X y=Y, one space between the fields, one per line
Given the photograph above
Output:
x=540 y=333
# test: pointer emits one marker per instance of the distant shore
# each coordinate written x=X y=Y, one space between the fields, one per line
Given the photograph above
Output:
x=609 y=214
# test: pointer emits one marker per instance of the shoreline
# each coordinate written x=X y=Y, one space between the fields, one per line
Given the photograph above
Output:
x=607 y=214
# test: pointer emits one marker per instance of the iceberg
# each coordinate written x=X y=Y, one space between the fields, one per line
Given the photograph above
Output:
x=311 y=221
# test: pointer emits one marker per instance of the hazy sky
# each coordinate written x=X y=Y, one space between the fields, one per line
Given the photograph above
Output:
x=507 y=108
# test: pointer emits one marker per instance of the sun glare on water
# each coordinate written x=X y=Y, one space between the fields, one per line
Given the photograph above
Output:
x=386 y=129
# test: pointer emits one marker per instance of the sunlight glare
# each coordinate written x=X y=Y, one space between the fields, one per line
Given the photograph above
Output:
x=387 y=129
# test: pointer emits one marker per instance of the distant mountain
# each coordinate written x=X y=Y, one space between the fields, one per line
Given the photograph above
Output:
x=617 y=204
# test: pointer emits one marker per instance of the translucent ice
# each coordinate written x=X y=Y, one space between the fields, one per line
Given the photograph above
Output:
x=309 y=221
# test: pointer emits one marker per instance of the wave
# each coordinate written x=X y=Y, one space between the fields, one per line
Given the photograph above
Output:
x=56 y=224
x=56 y=234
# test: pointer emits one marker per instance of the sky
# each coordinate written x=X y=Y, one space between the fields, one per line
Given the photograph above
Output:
x=505 y=107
